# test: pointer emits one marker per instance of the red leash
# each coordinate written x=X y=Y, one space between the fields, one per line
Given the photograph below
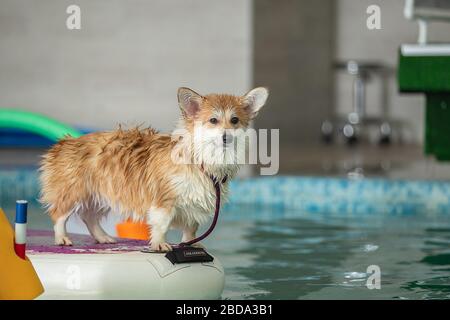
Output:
x=216 y=214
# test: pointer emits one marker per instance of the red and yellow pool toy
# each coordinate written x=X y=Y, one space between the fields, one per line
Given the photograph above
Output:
x=18 y=279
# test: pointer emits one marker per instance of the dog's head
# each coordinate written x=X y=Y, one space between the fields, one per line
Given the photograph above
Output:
x=218 y=121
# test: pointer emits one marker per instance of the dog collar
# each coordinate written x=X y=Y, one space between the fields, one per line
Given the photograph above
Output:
x=214 y=178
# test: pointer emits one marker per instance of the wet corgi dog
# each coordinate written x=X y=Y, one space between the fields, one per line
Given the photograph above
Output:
x=138 y=173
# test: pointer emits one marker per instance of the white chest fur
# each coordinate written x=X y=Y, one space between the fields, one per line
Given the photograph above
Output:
x=196 y=198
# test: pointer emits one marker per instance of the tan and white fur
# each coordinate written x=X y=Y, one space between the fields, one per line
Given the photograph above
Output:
x=133 y=172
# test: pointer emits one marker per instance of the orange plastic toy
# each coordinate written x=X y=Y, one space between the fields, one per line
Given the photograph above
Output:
x=133 y=230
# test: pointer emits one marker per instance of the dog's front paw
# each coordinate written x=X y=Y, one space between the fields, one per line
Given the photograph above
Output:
x=105 y=239
x=161 y=246
x=63 y=241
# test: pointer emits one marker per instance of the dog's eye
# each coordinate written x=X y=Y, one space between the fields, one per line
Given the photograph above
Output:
x=234 y=120
x=213 y=120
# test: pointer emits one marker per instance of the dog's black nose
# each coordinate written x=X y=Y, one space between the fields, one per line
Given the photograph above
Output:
x=227 y=138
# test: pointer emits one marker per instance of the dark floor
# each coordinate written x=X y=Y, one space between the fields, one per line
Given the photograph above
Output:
x=399 y=161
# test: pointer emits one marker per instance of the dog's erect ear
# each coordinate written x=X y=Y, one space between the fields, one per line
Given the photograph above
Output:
x=189 y=101
x=255 y=99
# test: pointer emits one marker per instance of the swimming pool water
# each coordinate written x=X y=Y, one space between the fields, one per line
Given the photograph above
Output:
x=297 y=258
x=308 y=238
x=304 y=257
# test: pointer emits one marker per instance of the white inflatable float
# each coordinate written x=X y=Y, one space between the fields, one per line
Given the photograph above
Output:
x=118 y=271
x=123 y=270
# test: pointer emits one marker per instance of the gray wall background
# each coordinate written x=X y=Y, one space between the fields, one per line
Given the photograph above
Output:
x=296 y=43
x=126 y=62
x=293 y=51
x=355 y=41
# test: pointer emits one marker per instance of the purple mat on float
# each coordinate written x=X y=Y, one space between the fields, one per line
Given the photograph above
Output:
x=42 y=242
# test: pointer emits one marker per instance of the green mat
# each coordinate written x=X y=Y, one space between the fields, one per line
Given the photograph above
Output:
x=437 y=125
x=424 y=74
x=430 y=75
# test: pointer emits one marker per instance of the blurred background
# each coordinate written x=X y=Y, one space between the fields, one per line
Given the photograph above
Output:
x=358 y=88
x=333 y=80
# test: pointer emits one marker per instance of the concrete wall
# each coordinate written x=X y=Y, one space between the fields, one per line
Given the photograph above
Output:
x=355 y=41
x=126 y=62
x=293 y=52
x=130 y=56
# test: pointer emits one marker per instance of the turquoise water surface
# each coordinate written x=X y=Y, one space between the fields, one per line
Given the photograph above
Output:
x=311 y=238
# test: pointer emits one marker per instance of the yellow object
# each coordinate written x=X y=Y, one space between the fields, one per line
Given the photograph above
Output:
x=18 y=279
x=133 y=230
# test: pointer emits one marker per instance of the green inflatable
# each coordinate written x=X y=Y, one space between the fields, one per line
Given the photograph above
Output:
x=35 y=123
